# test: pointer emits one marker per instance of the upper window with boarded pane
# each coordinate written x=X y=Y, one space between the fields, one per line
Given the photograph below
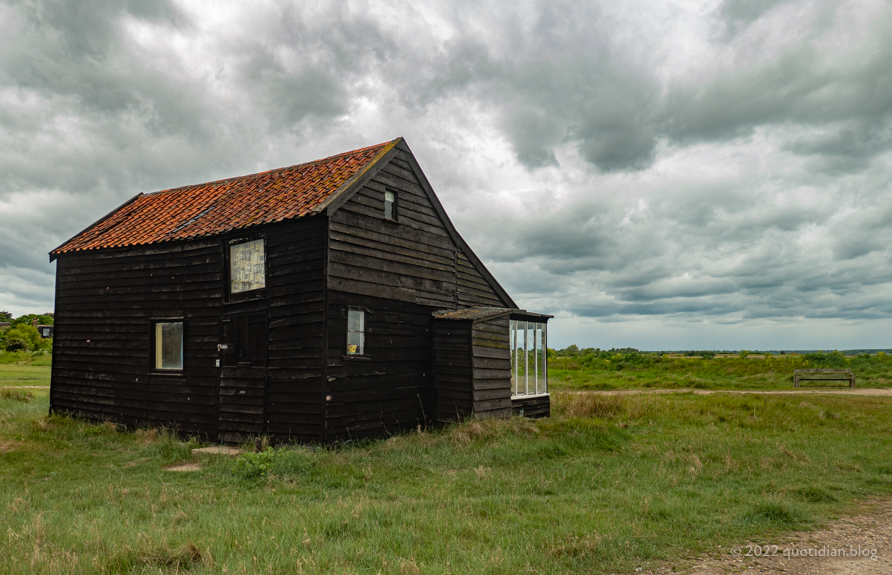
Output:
x=247 y=266
x=390 y=205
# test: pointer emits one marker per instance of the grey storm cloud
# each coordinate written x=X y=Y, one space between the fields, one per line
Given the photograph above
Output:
x=724 y=163
x=560 y=80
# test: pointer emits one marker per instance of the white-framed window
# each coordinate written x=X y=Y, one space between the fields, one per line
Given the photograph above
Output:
x=355 y=332
x=390 y=210
x=247 y=266
x=529 y=359
x=169 y=345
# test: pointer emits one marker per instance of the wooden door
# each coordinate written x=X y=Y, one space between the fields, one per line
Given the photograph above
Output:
x=244 y=352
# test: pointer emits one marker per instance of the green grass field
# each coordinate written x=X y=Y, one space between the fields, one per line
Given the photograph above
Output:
x=24 y=369
x=607 y=485
x=727 y=373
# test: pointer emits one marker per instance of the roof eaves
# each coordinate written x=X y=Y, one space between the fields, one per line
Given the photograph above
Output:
x=55 y=253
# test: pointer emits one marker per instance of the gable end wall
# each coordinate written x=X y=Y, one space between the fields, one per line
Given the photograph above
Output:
x=414 y=259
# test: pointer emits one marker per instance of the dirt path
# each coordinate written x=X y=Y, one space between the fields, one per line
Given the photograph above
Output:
x=881 y=392
x=868 y=534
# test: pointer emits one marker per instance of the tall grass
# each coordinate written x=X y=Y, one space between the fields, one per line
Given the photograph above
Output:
x=37 y=358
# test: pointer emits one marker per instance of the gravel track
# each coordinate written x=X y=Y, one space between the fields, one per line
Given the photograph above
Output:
x=868 y=533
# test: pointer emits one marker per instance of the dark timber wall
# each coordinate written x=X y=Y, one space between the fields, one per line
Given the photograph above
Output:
x=106 y=301
x=297 y=313
x=535 y=406
x=473 y=290
x=102 y=349
x=413 y=259
x=399 y=272
x=453 y=369
x=492 y=368
x=472 y=368
x=390 y=387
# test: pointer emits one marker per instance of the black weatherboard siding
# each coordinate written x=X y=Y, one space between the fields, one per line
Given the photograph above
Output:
x=472 y=363
x=274 y=360
x=106 y=302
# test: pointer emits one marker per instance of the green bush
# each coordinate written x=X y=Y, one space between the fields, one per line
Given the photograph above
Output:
x=23 y=338
x=256 y=465
x=612 y=360
x=281 y=462
x=821 y=359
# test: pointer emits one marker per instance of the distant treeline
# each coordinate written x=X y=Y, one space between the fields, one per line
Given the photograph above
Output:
x=575 y=351
x=811 y=354
x=620 y=358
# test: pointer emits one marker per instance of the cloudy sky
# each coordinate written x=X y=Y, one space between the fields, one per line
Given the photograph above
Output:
x=664 y=175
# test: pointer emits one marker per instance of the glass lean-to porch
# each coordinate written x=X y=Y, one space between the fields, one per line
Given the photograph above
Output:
x=528 y=340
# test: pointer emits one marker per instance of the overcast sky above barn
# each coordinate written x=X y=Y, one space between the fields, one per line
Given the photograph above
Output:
x=664 y=175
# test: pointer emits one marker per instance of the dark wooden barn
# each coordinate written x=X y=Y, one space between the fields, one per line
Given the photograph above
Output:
x=320 y=302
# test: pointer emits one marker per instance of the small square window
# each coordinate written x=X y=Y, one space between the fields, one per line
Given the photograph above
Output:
x=390 y=205
x=169 y=345
x=355 y=332
x=247 y=266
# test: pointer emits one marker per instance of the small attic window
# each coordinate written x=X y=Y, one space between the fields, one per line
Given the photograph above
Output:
x=390 y=205
x=247 y=266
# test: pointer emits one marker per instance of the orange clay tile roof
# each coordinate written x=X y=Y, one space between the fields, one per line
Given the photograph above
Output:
x=225 y=205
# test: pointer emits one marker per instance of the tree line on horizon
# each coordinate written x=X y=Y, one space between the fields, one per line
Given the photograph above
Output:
x=630 y=354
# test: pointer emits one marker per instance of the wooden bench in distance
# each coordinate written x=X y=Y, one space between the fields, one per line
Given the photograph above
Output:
x=823 y=375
